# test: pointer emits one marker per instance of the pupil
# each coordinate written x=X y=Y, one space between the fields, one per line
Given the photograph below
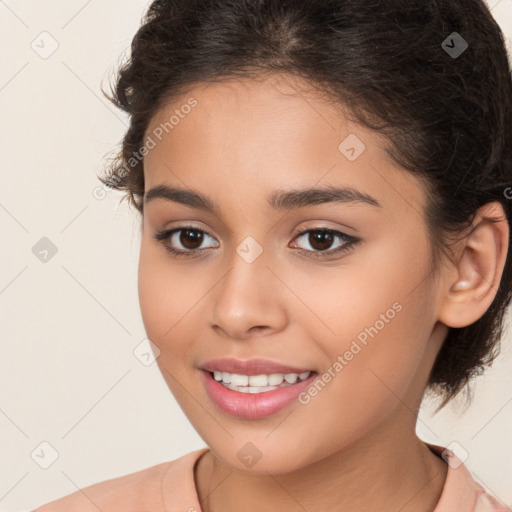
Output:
x=323 y=237
x=190 y=234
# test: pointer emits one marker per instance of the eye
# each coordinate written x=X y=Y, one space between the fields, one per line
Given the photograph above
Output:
x=320 y=239
x=189 y=237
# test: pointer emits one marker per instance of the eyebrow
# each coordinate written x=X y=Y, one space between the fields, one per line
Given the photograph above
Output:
x=278 y=200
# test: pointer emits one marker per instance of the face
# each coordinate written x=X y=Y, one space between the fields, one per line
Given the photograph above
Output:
x=337 y=284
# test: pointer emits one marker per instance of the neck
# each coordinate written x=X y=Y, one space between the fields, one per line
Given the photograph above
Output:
x=382 y=472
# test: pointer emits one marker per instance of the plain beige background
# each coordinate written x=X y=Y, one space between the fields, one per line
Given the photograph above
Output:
x=72 y=387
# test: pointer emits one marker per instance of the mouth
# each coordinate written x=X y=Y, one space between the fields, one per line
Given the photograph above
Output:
x=258 y=383
x=255 y=396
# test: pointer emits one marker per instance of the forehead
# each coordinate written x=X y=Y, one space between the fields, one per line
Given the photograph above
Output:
x=276 y=131
x=275 y=101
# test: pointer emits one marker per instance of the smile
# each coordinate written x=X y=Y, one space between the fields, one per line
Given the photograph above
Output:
x=258 y=383
x=258 y=400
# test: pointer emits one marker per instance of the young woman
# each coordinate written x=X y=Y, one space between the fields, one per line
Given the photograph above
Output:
x=324 y=196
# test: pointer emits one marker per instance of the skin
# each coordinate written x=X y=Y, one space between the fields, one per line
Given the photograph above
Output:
x=353 y=446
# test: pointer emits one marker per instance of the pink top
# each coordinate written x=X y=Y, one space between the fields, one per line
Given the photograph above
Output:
x=169 y=487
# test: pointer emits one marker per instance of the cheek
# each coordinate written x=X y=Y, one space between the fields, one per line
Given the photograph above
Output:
x=152 y=300
x=379 y=319
x=371 y=382
x=167 y=298
x=163 y=298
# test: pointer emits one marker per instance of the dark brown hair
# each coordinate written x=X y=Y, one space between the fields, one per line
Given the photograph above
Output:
x=447 y=117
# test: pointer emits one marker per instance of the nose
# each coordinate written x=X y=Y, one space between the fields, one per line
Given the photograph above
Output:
x=249 y=300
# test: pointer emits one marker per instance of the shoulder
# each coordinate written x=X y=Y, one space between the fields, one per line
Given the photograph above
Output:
x=141 y=490
x=122 y=493
x=486 y=502
x=461 y=491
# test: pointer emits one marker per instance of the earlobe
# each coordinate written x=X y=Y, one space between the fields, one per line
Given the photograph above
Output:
x=474 y=281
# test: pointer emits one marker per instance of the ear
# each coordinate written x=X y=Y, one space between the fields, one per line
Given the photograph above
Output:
x=474 y=277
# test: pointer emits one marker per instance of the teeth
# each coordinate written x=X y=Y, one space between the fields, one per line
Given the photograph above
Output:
x=258 y=382
x=239 y=380
x=291 y=378
x=275 y=379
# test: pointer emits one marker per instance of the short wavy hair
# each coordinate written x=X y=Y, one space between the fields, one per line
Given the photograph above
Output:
x=447 y=117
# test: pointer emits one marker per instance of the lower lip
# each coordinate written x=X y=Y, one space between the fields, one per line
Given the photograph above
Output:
x=253 y=405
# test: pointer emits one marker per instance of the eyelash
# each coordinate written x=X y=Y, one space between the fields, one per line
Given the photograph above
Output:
x=350 y=242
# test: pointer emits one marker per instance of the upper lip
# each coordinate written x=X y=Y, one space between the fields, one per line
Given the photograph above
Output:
x=251 y=366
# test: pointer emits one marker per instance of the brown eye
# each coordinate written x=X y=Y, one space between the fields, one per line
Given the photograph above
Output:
x=187 y=241
x=183 y=241
x=320 y=240
x=189 y=238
